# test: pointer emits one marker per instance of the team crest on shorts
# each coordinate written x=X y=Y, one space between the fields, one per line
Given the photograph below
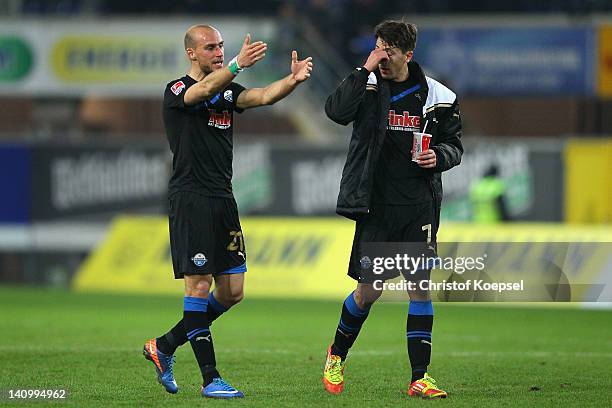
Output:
x=199 y=260
x=228 y=95
x=365 y=262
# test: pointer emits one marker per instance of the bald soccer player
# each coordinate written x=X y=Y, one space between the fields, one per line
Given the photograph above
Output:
x=206 y=239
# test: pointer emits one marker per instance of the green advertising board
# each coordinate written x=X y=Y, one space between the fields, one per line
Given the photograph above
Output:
x=16 y=59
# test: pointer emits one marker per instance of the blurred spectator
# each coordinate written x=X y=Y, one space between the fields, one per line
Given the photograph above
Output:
x=487 y=198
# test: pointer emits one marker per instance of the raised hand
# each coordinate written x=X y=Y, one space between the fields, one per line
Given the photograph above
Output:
x=300 y=69
x=376 y=56
x=251 y=52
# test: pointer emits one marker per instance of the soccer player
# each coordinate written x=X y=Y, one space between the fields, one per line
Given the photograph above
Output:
x=206 y=239
x=392 y=198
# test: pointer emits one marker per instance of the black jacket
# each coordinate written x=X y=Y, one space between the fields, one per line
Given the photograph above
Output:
x=364 y=98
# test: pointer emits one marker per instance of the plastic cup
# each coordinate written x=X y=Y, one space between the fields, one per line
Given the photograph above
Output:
x=420 y=143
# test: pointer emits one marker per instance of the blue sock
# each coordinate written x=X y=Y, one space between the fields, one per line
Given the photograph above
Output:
x=351 y=320
x=215 y=309
x=177 y=336
x=418 y=335
x=198 y=333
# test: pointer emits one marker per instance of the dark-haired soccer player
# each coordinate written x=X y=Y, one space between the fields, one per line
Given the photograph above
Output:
x=206 y=239
x=392 y=198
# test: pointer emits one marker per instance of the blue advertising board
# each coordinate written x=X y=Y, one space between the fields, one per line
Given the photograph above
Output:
x=15 y=183
x=504 y=61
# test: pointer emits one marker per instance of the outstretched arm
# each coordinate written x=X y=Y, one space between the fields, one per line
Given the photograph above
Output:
x=219 y=79
x=300 y=72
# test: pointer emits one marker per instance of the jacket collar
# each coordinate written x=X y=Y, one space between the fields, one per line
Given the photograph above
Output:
x=415 y=71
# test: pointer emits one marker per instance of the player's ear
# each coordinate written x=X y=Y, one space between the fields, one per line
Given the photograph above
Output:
x=190 y=54
x=409 y=55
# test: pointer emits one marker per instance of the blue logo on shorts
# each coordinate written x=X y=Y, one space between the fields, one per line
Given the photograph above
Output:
x=365 y=262
x=199 y=260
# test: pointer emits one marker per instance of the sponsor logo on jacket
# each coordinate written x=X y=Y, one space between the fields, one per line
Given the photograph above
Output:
x=403 y=122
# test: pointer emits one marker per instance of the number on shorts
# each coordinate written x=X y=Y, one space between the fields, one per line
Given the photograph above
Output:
x=237 y=241
x=428 y=229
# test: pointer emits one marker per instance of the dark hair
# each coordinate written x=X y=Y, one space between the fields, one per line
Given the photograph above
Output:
x=397 y=34
x=492 y=171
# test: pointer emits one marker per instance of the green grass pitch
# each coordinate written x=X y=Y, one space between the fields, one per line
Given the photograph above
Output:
x=273 y=350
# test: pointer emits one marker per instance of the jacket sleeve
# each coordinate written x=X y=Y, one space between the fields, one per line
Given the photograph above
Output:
x=342 y=105
x=449 y=148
